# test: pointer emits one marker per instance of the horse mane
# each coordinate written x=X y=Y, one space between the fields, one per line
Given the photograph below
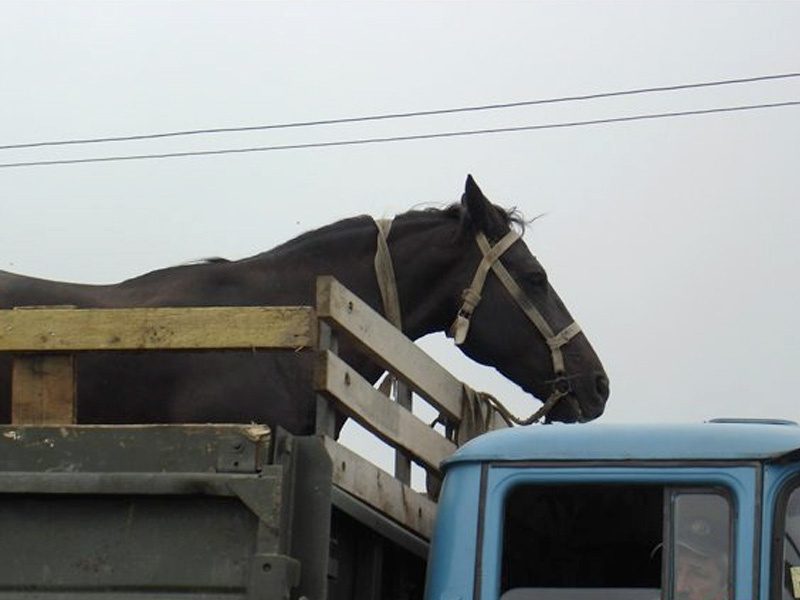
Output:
x=512 y=217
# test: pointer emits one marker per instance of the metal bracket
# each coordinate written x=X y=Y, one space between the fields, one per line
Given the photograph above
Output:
x=237 y=455
x=272 y=577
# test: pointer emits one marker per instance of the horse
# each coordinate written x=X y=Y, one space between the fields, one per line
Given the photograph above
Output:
x=447 y=263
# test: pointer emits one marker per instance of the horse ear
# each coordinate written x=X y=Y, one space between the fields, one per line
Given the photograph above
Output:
x=481 y=212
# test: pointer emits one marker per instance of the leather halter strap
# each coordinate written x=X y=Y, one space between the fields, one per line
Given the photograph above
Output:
x=472 y=297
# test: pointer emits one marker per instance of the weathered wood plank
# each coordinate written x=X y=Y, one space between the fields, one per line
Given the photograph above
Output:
x=49 y=330
x=43 y=390
x=365 y=481
x=388 y=346
x=402 y=463
x=392 y=423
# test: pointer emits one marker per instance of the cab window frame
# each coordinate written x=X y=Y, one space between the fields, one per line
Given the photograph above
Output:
x=670 y=491
x=790 y=486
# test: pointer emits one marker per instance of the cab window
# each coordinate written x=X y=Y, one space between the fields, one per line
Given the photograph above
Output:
x=607 y=542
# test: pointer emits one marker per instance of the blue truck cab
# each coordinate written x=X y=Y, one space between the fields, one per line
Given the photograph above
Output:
x=706 y=511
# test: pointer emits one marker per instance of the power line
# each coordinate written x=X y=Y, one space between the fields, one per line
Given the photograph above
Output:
x=400 y=115
x=401 y=138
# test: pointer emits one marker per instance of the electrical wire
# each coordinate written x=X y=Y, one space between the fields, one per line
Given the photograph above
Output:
x=402 y=138
x=401 y=115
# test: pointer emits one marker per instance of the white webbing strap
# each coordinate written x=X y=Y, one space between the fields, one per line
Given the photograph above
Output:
x=384 y=272
x=387 y=284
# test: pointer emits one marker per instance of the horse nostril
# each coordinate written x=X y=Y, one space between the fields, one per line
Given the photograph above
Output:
x=602 y=386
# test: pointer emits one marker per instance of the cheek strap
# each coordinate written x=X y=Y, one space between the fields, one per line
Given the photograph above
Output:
x=471 y=296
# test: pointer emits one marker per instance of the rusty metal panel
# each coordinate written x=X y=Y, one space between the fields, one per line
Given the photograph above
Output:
x=143 y=512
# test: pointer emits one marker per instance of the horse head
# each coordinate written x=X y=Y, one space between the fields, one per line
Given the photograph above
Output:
x=511 y=318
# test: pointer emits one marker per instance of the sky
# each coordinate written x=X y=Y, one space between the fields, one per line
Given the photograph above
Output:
x=672 y=241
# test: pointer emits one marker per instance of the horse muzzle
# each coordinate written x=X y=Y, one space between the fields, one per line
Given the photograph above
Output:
x=579 y=399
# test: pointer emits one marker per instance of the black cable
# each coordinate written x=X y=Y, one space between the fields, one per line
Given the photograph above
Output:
x=404 y=115
x=402 y=138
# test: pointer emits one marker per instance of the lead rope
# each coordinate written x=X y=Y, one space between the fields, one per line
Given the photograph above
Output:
x=510 y=417
x=479 y=408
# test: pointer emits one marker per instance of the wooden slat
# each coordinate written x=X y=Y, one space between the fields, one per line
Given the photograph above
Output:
x=390 y=422
x=43 y=390
x=365 y=481
x=325 y=418
x=48 y=330
x=388 y=346
x=402 y=463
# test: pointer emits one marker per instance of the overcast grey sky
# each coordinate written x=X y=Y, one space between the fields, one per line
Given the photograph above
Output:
x=673 y=241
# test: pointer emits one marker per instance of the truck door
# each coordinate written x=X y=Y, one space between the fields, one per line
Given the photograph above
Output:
x=781 y=540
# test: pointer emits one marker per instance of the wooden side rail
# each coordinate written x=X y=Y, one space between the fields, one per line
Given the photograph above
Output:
x=363 y=480
x=45 y=330
x=388 y=347
x=392 y=423
x=43 y=341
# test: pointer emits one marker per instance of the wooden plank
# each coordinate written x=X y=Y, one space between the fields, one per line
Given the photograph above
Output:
x=43 y=390
x=388 y=346
x=390 y=422
x=325 y=418
x=204 y=328
x=402 y=463
x=368 y=483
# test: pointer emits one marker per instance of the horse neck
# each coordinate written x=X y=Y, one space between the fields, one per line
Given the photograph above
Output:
x=429 y=257
x=423 y=250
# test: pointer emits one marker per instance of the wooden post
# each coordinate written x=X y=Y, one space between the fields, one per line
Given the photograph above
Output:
x=43 y=390
x=326 y=415
x=402 y=463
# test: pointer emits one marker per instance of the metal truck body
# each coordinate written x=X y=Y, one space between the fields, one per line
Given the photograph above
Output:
x=189 y=512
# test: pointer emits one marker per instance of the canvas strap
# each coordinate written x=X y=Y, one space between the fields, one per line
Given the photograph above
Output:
x=387 y=284
x=384 y=272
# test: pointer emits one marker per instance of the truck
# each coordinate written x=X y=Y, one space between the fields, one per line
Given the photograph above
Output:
x=530 y=513
x=705 y=511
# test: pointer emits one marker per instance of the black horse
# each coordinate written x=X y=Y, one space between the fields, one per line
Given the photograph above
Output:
x=435 y=254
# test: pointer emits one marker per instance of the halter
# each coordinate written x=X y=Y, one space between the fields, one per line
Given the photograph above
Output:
x=384 y=271
x=472 y=297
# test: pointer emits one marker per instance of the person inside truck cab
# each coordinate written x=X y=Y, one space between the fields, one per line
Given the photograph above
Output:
x=701 y=552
